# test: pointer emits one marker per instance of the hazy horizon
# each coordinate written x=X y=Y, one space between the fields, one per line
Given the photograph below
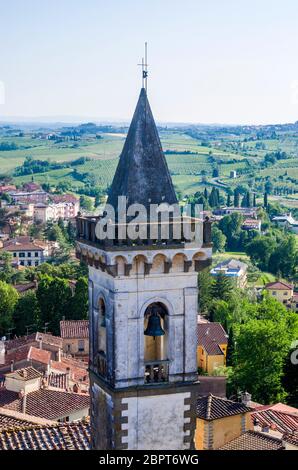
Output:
x=224 y=63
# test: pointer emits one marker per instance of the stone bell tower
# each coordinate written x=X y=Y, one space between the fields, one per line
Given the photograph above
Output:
x=143 y=311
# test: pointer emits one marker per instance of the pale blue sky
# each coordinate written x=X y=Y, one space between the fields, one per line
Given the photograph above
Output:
x=223 y=61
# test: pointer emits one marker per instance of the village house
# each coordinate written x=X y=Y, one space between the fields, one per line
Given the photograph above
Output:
x=212 y=346
x=286 y=221
x=19 y=431
x=75 y=337
x=219 y=421
x=234 y=269
x=26 y=197
x=284 y=293
x=248 y=212
x=25 y=391
x=63 y=206
x=36 y=349
x=26 y=251
x=252 y=224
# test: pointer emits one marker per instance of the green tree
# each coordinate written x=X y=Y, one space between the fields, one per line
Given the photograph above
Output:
x=260 y=250
x=79 y=303
x=6 y=270
x=205 y=287
x=261 y=350
x=53 y=295
x=284 y=259
x=26 y=313
x=230 y=225
x=236 y=198
x=86 y=203
x=8 y=300
x=222 y=287
x=218 y=239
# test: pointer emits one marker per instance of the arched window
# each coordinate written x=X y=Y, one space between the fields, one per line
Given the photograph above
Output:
x=155 y=332
x=101 y=328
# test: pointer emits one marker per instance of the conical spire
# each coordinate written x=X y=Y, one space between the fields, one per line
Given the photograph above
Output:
x=142 y=173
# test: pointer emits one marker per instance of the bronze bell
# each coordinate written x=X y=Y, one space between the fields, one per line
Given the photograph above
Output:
x=154 y=326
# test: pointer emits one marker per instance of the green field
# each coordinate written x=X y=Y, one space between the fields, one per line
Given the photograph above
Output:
x=190 y=163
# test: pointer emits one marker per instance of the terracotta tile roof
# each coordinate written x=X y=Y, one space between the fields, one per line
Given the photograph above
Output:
x=210 y=407
x=70 y=198
x=77 y=369
x=210 y=335
x=291 y=438
x=74 y=329
x=25 y=287
x=278 y=285
x=10 y=419
x=17 y=355
x=39 y=355
x=277 y=420
x=251 y=440
x=28 y=246
x=73 y=436
x=45 y=403
x=278 y=407
x=33 y=340
x=28 y=373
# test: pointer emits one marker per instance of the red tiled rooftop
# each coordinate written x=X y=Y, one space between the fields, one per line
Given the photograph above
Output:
x=45 y=403
x=210 y=336
x=278 y=285
x=74 y=328
x=39 y=355
x=72 y=436
x=211 y=407
x=251 y=440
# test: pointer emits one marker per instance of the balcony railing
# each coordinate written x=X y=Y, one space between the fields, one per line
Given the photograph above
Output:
x=86 y=231
x=156 y=371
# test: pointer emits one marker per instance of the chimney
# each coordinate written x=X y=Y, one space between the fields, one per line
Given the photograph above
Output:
x=245 y=398
x=24 y=403
x=2 y=352
x=40 y=342
x=67 y=377
x=59 y=355
x=11 y=366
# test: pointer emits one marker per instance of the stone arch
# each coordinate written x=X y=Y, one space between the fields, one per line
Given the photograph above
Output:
x=120 y=261
x=199 y=255
x=138 y=264
x=155 y=347
x=101 y=325
x=152 y=300
x=158 y=264
x=178 y=262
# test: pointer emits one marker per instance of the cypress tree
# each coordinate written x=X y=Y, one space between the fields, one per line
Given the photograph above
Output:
x=236 y=198
x=231 y=347
x=229 y=200
x=266 y=200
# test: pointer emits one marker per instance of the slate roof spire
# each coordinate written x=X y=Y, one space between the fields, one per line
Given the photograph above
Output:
x=142 y=173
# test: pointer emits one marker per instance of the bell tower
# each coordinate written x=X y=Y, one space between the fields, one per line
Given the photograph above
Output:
x=143 y=309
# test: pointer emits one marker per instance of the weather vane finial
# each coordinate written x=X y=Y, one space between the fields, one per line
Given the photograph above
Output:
x=144 y=69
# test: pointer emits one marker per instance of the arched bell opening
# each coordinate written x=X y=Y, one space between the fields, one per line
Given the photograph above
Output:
x=101 y=330
x=155 y=332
